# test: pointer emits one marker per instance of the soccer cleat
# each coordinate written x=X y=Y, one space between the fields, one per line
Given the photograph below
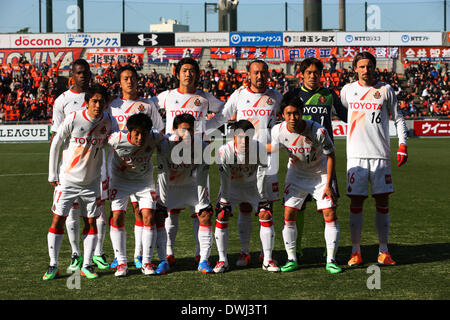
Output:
x=76 y=262
x=100 y=261
x=291 y=265
x=89 y=272
x=148 y=269
x=51 y=273
x=138 y=262
x=204 y=267
x=122 y=271
x=163 y=267
x=197 y=259
x=386 y=259
x=355 y=259
x=114 y=264
x=271 y=266
x=170 y=259
x=244 y=260
x=221 y=267
x=332 y=267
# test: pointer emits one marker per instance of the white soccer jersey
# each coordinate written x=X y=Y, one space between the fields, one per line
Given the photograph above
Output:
x=173 y=172
x=130 y=162
x=197 y=104
x=66 y=103
x=307 y=151
x=238 y=173
x=122 y=109
x=260 y=109
x=83 y=139
x=368 y=119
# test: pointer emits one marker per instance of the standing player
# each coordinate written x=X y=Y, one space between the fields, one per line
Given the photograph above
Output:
x=370 y=103
x=82 y=135
x=239 y=161
x=70 y=101
x=320 y=104
x=187 y=98
x=122 y=108
x=259 y=105
x=183 y=182
x=310 y=171
x=131 y=173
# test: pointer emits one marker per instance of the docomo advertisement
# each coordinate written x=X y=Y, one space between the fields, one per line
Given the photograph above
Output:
x=22 y=133
x=44 y=40
x=340 y=129
x=431 y=128
x=39 y=56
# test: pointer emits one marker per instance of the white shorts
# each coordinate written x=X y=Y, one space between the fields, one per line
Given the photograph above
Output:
x=271 y=191
x=362 y=171
x=243 y=194
x=120 y=192
x=179 y=197
x=297 y=187
x=86 y=200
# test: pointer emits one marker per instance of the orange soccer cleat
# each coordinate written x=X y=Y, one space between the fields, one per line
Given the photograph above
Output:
x=385 y=258
x=355 y=259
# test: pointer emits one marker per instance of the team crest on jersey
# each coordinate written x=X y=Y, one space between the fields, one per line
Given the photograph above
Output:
x=269 y=101
x=377 y=95
x=197 y=102
x=307 y=140
x=322 y=99
x=141 y=108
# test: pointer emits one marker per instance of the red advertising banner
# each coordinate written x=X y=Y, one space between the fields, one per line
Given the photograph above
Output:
x=39 y=56
x=224 y=53
x=431 y=128
x=165 y=54
x=425 y=53
x=348 y=53
x=106 y=56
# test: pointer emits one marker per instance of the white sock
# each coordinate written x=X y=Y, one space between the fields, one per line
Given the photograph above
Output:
x=356 y=221
x=54 y=239
x=171 y=229
x=73 y=229
x=89 y=242
x=148 y=243
x=290 y=239
x=245 y=230
x=161 y=242
x=119 y=242
x=221 y=235
x=331 y=239
x=101 y=229
x=382 y=225
x=267 y=236
x=138 y=227
x=195 y=227
x=205 y=240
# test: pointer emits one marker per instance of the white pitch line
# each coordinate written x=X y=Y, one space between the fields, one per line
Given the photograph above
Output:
x=22 y=174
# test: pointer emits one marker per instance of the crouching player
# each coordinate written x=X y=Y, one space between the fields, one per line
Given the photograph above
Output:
x=310 y=171
x=182 y=182
x=239 y=162
x=83 y=135
x=131 y=173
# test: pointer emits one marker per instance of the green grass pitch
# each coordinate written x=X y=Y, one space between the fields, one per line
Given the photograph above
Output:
x=419 y=241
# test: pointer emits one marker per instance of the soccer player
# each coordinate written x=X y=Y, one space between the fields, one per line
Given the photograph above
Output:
x=70 y=101
x=310 y=171
x=131 y=173
x=183 y=182
x=82 y=135
x=260 y=105
x=122 y=107
x=320 y=104
x=370 y=103
x=187 y=98
x=239 y=161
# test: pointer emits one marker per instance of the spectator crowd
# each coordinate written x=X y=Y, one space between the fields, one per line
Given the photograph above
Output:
x=28 y=91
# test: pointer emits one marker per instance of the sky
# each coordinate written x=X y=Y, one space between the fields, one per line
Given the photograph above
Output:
x=253 y=15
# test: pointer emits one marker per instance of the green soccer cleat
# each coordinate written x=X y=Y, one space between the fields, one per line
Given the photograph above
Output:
x=291 y=265
x=100 y=261
x=76 y=262
x=51 y=273
x=88 y=272
x=332 y=267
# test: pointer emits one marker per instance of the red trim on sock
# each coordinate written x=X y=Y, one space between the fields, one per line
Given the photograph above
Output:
x=329 y=221
x=56 y=230
x=382 y=210
x=221 y=225
x=266 y=224
x=356 y=210
x=138 y=223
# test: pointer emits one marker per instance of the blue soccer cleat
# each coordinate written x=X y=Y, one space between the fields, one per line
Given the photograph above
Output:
x=163 y=268
x=204 y=267
x=114 y=264
x=138 y=262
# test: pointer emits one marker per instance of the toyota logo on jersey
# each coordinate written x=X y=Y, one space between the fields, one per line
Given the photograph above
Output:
x=143 y=40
